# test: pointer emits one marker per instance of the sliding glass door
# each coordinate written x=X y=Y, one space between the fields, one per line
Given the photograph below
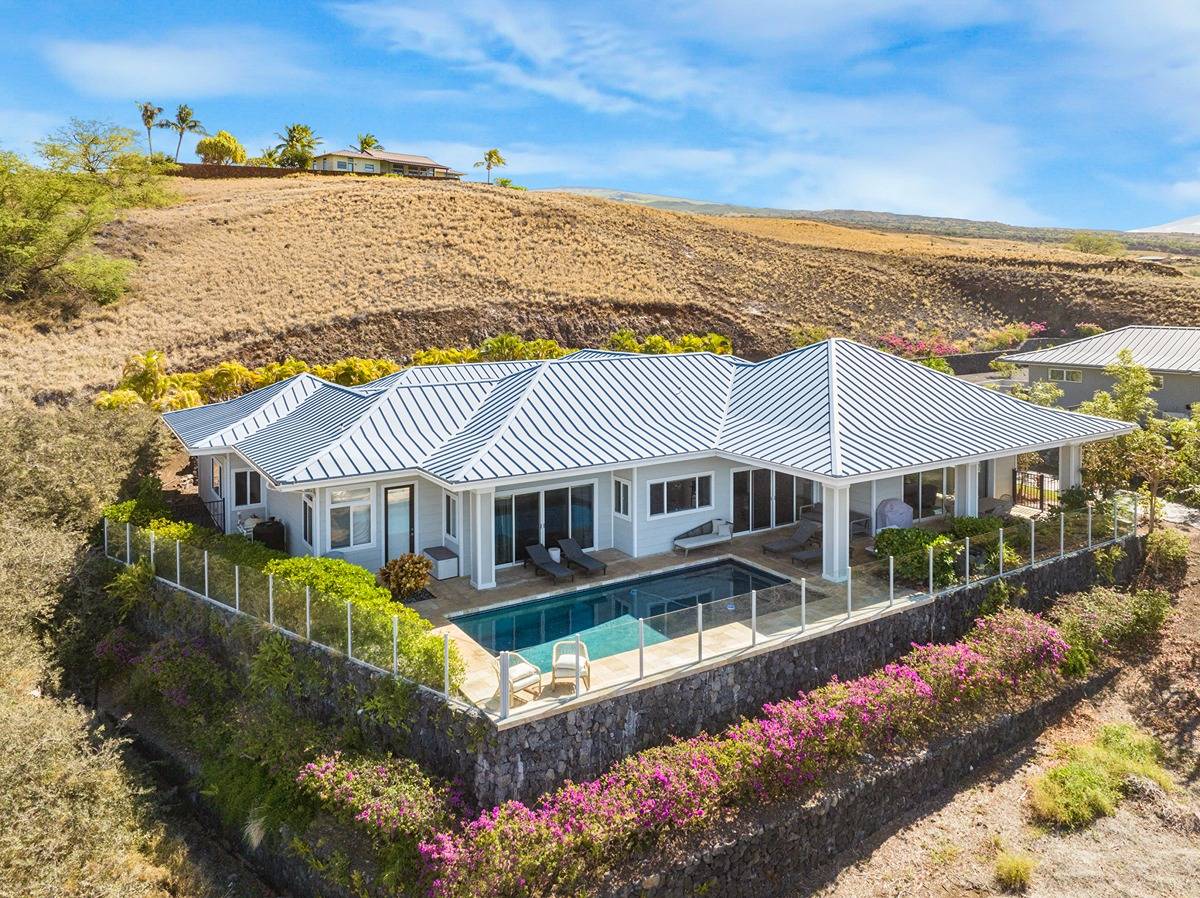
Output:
x=544 y=516
x=762 y=499
x=400 y=531
x=925 y=491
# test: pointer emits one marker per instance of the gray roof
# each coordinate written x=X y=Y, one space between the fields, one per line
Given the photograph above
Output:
x=401 y=158
x=833 y=409
x=1157 y=348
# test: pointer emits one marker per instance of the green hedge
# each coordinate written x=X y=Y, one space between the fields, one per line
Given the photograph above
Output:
x=910 y=546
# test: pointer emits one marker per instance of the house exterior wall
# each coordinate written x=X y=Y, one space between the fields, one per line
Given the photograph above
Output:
x=622 y=528
x=657 y=534
x=1177 y=393
x=288 y=508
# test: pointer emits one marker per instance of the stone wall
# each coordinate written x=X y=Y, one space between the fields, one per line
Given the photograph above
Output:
x=522 y=759
x=774 y=852
x=977 y=362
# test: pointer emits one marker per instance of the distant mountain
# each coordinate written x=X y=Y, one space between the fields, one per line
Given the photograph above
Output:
x=1176 y=239
x=1180 y=226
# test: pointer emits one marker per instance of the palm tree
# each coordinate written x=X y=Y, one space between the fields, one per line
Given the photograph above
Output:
x=297 y=145
x=269 y=157
x=183 y=123
x=491 y=159
x=150 y=114
x=368 y=142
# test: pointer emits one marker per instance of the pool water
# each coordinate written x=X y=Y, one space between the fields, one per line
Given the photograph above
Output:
x=606 y=617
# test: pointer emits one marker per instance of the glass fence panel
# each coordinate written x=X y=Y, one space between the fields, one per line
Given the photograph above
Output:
x=912 y=572
x=116 y=540
x=727 y=624
x=139 y=544
x=329 y=622
x=191 y=567
x=781 y=609
x=869 y=584
x=222 y=579
x=1074 y=531
x=983 y=559
x=670 y=640
x=254 y=593
x=372 y=638
x=289 y=606
x=1046 y=538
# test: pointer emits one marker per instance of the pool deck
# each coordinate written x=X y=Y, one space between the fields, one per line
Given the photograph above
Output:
x=826 y=605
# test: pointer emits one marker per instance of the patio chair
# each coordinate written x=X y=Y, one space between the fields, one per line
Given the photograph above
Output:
x=795 y=541
x=1000 y=508
x=522 y=675
x=539 y=557
x=710 y=533
x=563 y=663
x=810 y=553
x=573 y=554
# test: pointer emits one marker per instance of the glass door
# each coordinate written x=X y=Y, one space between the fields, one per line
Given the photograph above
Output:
x=785 y=499
x=741 y=501
x=583 y=515
x=505 y=541
x=527 y=521
x=400 y=530
x=557 y=515
x=760 y=499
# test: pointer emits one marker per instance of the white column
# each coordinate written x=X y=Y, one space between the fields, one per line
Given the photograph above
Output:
x=966 y=490
x=483 y=543
x=835 y=532
x=1070 y=464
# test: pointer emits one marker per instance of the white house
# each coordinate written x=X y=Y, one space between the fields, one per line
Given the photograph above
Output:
x=381 y=162
x=615 y=450
x=1171 y=353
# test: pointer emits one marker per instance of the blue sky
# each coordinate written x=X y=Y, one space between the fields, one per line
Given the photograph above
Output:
x=1070 y=113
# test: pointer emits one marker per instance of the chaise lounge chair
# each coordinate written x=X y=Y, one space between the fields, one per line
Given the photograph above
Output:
x=710 y=533
x=797 y=540
x=573 y=554
x=540 y=558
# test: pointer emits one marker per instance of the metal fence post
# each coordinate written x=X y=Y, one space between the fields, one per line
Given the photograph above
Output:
x=699 y=631
x=308 y=612
x=446 y=664
x=931 y=571
x=967 y=559
x=206 y=573
x=849 y=593
x=106 y=555
x=1116 y=532
x=803 y=604
x=578 y=663
x=1089 y=512
x=1133 y=531
x=395 y=644
x=1032 y=539
x=504 y=685
x=152 y=542
x=1000 y=557
x=271 y=599
x=349 y=631
x=641 y=648
x=753 y=617
x=178 y=577
x=891 y=580
x=237 y=587
x=1062 y=534
x=129 y=543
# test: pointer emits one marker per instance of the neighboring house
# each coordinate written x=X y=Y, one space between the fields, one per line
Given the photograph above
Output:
x=615 y=450
x=380 y=162
x=1171 y=353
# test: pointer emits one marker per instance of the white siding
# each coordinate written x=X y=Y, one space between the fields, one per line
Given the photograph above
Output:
x=657 y=534
x=622 y=528
x=288 y=508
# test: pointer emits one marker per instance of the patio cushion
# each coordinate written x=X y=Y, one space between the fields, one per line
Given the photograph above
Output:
x=523 y=675
x=566 y=662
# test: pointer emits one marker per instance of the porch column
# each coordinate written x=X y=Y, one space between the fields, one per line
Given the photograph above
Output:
x=966 y=490
x=1070 y=464
x=835 y=532
x=483 y=543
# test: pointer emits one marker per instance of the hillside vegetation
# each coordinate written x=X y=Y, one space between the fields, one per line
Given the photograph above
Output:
x=323 y=268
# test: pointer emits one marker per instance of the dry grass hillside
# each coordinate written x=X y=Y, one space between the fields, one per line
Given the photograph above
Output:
x=324 y=267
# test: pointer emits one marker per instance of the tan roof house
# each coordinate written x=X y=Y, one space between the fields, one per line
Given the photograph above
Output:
x=380 y=162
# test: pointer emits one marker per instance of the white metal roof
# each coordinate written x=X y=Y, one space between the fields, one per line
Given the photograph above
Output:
x=1157 y=348
x=835 y=409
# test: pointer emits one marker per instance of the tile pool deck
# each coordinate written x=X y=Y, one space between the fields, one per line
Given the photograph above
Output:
x=723 y=642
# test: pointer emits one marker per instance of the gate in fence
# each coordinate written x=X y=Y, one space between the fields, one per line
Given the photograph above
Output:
x=1034 y=489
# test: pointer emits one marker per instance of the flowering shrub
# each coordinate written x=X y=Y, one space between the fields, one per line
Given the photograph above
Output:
x=180 y=674
x=1013 y=334
x=557 y=845
x=914 y=348
x=1093 y=622
x=118 y=649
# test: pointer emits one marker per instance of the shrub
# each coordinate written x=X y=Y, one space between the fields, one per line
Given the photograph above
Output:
x=132 y=585
x=935 y=363
x=1096 y=244
x=1106 y=561
x=910 y=546
x=1087 y=329
x=353 y=371
x=1101 y=619
x=146 y=506
x=407 y=575
x=1024 y=646
x=964 y=526
x=1014 y=872
x=1074 y=498
x=807 y=334
x=1166 y=555
x=180 y=675
x=1012 y=334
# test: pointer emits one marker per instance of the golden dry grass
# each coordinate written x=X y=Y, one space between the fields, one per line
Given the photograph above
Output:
x=327 y=267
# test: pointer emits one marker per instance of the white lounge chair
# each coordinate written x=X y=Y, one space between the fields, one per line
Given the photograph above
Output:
x=709 y=533
x=563 y=663
x=522 y=675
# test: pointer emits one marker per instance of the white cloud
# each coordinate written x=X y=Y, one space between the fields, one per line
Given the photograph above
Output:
x=190 y=64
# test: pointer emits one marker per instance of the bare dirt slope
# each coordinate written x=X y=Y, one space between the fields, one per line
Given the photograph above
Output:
x=322 y=267
x=1150 y=847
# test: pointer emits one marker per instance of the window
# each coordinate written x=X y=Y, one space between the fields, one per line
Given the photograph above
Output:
x=684 y=494
x=308 y=518
x=1067 y=375
x=342 y=165
x=350 y=518
x=368 y=166
x=621 y=498
x=247 y=488
x=451 y=516
x=215 y=476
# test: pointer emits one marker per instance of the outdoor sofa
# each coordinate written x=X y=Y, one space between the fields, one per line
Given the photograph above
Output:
x=710 y=533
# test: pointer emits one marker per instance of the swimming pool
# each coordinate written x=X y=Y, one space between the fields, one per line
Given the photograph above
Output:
x=605 y=617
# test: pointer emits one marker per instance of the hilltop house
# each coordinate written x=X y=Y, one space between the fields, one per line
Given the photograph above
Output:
x=618 y=451
x=380 y=162
x=1171 y=353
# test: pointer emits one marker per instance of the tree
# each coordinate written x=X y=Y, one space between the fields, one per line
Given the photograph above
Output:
x=268 y=157
x=221 y=148
x=150 y=114
x=368 y=142
x=491 y=159
x=508 y=182
x=297 y=146
x=1130 y=397
x=1040 y=393
x=184 y=122
x=1096 y=244
x=86 y=146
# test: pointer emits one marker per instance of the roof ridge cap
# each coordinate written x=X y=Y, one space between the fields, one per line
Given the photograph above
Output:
x=835 y=423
